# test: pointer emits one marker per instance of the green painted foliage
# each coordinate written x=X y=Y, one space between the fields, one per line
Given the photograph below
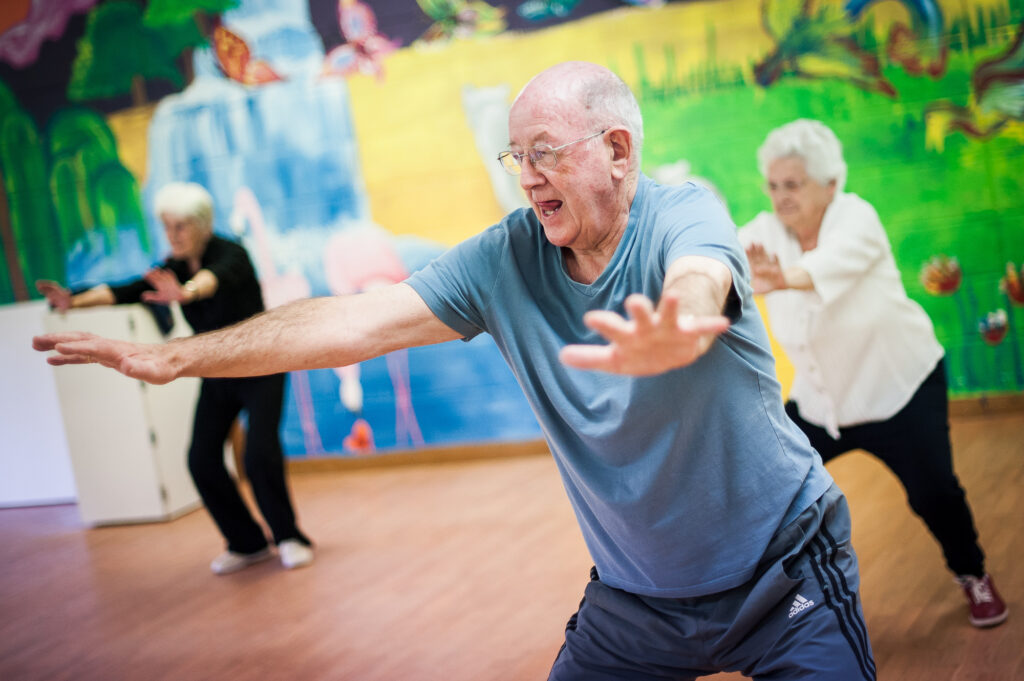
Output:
x=117 y=49
x=6 y=290
x=71 y=130
x=118 y=203
x=89 y=186
x=29 y=218
x=67 y=188
x=80 y=144
x=963 y=198
x=162 y=13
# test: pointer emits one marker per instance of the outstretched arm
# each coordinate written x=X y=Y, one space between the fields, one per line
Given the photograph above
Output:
x=167 y=289
x=62 y=299
x=767 y=275
x=307 y=334
x=674 y=334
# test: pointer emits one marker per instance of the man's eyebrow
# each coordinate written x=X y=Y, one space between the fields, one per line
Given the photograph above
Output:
x=535 y=140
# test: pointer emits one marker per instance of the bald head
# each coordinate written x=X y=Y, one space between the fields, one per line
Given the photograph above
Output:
x=579 y=89
x=585 y=124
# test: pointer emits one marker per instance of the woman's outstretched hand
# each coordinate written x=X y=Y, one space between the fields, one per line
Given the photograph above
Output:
x=167 y=287
x=57 y=296
x=766 y=274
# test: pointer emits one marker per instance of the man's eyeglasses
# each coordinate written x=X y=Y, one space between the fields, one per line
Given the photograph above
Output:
x=541 y=156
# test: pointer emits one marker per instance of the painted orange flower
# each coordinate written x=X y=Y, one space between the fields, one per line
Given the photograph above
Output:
x=1012 y=285
x=360 y=440
x=941 y=276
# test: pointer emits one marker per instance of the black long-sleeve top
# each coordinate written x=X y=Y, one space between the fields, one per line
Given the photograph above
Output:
x=238 y=294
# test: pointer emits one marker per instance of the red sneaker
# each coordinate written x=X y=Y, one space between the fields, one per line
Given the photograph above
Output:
x=987 y=609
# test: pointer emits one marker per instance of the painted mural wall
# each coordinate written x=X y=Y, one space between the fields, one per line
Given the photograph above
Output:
x=347 y=143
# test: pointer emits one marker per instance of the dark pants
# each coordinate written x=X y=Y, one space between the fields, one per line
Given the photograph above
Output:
x=798 y=617
x=915 y=445
x=220 y=402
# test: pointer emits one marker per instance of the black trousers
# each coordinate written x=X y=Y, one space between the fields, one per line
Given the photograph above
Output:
x=915 y=445
x=220 y=402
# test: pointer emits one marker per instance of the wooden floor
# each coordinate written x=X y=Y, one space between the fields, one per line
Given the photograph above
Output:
x=453 y=572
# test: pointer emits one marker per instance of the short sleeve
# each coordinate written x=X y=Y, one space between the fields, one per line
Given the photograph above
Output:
x=851 y=241
x=457 y=285
x=700 y=225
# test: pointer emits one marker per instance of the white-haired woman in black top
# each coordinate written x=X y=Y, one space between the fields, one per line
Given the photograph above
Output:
x=215 y=283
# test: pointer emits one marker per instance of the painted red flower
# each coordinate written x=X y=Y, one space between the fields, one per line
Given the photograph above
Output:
x=993 y=327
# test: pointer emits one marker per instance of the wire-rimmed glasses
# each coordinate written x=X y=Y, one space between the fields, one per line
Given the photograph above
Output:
x=540 y=156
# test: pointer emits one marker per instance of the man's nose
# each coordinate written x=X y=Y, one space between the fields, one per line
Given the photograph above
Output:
x=530 y=176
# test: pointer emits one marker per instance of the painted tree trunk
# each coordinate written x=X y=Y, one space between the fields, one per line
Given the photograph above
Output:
x=14 y=269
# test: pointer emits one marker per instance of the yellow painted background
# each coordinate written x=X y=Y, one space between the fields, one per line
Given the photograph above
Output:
x=422 y=172
x=455 y=199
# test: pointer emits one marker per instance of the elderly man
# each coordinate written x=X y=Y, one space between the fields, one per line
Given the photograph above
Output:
x=719 y=540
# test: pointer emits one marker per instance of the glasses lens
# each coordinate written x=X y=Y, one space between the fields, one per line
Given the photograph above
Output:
x=542 y=156
x=509 y=163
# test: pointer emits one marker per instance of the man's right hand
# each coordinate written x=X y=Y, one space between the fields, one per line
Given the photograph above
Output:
x=149 y=363
x=57 y=296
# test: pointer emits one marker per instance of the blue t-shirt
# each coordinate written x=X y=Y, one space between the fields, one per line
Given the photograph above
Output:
x=678 y=480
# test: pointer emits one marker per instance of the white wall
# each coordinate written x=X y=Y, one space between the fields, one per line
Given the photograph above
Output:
x=35 y=466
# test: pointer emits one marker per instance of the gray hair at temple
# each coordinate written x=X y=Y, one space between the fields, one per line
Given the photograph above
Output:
x=814 y=143
x=605 y=98
x=186 y=200
x=610 y=102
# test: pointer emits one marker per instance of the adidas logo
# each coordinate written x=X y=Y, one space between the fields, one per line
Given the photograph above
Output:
x=799 y=605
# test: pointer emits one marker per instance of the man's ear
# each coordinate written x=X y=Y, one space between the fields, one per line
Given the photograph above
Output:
x=622 y=147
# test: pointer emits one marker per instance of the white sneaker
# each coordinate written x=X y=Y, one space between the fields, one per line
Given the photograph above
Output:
x=294 y=554
x=229 y=561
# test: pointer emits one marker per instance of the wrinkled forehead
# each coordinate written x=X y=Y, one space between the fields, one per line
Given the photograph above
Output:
x=539 y=117
x=788 y=166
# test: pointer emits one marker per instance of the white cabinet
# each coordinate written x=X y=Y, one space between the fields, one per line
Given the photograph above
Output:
x=35 y=468
x=128 y=440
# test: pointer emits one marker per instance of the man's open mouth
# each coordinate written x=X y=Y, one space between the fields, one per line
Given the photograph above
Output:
x=549 y=208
